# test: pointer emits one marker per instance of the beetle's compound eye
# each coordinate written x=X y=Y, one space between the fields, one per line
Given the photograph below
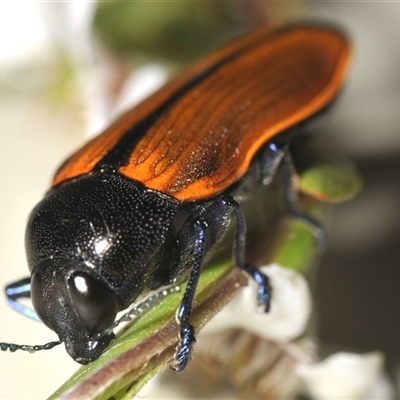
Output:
x=36 y=296
x=95 y=303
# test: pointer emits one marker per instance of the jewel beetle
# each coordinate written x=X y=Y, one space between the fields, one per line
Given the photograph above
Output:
x=142 y=204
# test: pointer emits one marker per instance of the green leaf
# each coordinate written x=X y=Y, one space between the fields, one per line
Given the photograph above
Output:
x=297 y=247
x=331 y=183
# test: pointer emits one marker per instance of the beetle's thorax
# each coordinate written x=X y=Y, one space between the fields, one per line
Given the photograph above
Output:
x=110 y=224
x=91 y=238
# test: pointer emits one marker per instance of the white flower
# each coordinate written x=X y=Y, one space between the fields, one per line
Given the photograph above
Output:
x=291 y=307
x=347 y=376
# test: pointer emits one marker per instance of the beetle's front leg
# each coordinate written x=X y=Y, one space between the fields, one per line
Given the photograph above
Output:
x=196 y=237
x=187 y=334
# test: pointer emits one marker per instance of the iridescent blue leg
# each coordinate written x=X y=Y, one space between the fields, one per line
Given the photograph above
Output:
x=18 y=290
x=264 y=290
x=187 y=334
x=14 y=292
x=195 y=238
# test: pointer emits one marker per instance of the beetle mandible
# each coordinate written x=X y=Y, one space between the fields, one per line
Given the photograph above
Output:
x=144 y=202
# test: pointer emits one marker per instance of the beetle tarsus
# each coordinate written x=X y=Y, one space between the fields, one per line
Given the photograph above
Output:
x=264 y=289
x=184 y=350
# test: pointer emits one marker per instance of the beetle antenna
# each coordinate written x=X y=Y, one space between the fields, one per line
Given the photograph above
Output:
x=142 y=307
x=25 y=347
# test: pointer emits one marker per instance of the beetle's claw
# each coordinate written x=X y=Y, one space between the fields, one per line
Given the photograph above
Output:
x=264 y=290
x=264 y=297
x=184 y=350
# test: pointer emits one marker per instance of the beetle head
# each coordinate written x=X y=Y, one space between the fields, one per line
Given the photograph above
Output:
x=77 y=306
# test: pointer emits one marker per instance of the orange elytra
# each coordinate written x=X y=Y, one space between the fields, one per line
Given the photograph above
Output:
x=197 y=136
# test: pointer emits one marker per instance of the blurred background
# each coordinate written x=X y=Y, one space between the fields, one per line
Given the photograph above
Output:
x=65 y=71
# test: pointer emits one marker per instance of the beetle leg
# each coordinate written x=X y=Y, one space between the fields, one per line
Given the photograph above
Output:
x=187 y=334
x=291 y=201
x=271 y=158
x=18 y=290
x=264 y=290
x=195 y=237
